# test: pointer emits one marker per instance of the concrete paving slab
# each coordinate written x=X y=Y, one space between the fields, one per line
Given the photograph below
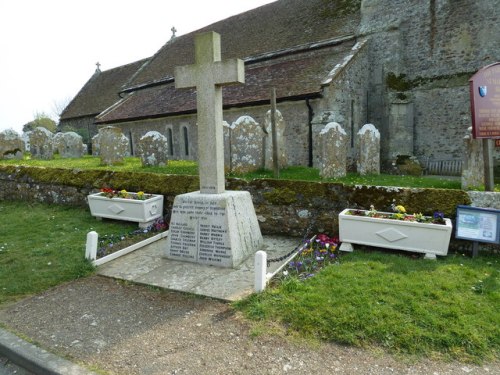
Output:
x=148 y=266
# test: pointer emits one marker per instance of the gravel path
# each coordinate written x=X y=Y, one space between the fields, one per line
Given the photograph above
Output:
x=130 y=329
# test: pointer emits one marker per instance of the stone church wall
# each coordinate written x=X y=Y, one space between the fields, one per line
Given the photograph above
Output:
x=294 y=113
x=425 y=52
x=345 y=100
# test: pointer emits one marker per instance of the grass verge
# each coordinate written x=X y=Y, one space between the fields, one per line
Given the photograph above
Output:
x=44 y=245
x=446 y=308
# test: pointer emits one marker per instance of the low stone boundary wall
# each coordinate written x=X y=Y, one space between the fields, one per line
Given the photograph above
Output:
x=282 y=206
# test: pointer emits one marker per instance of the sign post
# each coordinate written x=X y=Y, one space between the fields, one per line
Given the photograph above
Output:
x=485 y=109
x=478 y=225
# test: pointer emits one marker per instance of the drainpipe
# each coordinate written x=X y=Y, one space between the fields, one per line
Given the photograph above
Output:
x=310 y=134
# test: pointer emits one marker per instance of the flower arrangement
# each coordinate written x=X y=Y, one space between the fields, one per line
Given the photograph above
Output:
x=110 y=243
x=314 y=255
x=112 y=193
x=400 y=214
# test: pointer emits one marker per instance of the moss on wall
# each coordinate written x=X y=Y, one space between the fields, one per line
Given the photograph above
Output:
x=284 y=206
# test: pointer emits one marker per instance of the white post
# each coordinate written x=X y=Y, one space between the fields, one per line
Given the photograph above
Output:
x=91 y=248
x=260 y=270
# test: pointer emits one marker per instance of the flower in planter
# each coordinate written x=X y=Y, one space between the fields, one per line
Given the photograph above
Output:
x=124 y=194
x=400 y=214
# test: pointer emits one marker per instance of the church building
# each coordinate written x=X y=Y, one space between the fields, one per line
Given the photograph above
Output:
x=402 y=65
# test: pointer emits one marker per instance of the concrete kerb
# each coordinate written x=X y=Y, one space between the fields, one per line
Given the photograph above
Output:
x=35 y=359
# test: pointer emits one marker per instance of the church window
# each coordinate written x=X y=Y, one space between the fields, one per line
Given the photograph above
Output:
x=170 y=142
x=186 y=140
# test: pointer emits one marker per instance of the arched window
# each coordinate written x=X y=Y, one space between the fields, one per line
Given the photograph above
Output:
x=186 y=140
x=170 y=141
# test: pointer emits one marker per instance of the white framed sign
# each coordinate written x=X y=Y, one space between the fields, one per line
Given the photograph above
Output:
x=478 y=224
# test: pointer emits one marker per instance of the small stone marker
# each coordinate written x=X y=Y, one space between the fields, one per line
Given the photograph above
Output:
x=333 y=144
x=153 y=150
x=212 y=226
x=473 y=168
x=246 y=145
x=208 y=75
x=227 y=130
x=41 y=145
x=280 y=131
x=69 y=145
x=11 y=145
x=369 y=150
x=113 y=145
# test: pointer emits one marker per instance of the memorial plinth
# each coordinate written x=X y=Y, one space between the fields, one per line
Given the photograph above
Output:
x=213 y=229
x=212 y=226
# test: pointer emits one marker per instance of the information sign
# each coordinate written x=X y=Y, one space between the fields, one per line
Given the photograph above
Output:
x=478 y=224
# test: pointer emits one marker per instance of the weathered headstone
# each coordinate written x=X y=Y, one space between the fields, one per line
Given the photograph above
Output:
x=153 y=150
x=226 y=133
x=95 y=145
x=11 y=145
x=280 y=131
x=333 y=144
x=113 y=145
x=212 y=226
x=41 y=145
x=473 y=168
x=69 y=145
x=369 y=150
x=246 y=145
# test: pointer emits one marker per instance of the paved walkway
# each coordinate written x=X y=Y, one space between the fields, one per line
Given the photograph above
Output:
x=147 y=266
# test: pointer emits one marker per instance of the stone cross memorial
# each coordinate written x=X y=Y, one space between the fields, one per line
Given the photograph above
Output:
x=212 y=226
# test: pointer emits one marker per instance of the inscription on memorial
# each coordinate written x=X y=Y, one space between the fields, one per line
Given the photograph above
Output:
x=199 y=232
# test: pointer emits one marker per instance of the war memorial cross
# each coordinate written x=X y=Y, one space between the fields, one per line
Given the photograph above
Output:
x=208 y=75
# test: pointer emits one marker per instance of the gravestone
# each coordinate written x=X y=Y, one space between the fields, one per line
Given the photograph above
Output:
x=113 y=145
x=95 y=145
x=11 y=145
x=153 y=150
x=41 y=145
x=69 y=145
x=246 y=145
x=333 y=150
x=226 y=133
x=212 y=226
x=280 y=131
x=473 y=167
x=369 y=150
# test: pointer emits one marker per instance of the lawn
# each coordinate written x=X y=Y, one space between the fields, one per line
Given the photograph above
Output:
x=440 y=309
x=186 y=167
x=44 y=245
x=446 y=308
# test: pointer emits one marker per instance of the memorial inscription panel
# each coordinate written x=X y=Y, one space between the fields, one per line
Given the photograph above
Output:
x=199 y=232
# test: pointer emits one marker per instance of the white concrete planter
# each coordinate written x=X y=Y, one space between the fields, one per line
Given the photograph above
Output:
x=430 y=239
x=145 y=212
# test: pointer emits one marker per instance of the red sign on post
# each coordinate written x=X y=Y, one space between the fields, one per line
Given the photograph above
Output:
x=485 y=102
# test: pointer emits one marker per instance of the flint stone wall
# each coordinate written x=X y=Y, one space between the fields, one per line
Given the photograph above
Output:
x=282 y=207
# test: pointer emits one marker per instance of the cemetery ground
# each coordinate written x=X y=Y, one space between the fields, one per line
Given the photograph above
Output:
x=186 y=167
x=377 y=312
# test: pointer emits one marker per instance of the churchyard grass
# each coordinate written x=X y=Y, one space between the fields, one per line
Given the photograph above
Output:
x=186 y=167
x=444 y=309
x=44 y=245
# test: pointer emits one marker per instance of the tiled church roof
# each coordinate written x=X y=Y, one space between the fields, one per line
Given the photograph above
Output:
x=272 y=27
x=280 y=26
x=100 y=91
x=293 y=77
